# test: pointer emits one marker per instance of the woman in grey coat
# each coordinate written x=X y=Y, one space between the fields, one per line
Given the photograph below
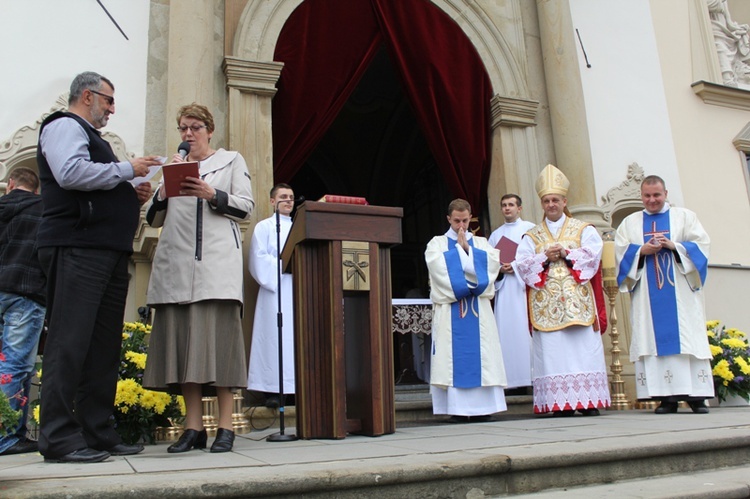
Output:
x=196 y=346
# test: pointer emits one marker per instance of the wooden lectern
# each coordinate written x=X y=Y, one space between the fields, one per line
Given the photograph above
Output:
x=340 y=258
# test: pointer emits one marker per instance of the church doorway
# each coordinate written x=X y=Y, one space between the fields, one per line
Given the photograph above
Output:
x=388 y=101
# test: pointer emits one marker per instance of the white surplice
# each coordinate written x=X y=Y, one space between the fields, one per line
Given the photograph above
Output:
x=451 y=268
x=511 y=313
x=569 y=371
x=686 y=371
x=263 y=372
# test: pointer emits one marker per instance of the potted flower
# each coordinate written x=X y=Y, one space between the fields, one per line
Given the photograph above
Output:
x=730 y=364
x=138 y=411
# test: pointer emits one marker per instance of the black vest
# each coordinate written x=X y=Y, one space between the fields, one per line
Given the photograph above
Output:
x=86 y=219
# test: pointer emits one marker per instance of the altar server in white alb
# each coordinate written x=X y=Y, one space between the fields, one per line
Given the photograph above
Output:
x=558 y=259
x=662 y=255
x=263 y=372
x=511 y=313
x=467 y=374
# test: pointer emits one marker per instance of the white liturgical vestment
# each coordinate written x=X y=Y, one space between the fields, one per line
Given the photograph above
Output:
x=263 y=372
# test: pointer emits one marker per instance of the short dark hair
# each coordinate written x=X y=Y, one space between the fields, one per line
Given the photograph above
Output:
x=654 y=179
x=510 y=196
x=458 y=204
x=87 y=80
x=25 y=177
x=278 y=186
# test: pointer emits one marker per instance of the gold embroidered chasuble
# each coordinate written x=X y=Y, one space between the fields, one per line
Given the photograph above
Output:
x=562 y=301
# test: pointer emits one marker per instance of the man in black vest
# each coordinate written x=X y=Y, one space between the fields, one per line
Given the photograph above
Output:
x=85 y=238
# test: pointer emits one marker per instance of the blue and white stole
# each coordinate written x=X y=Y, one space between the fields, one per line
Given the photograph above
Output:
x=467 y=356
x=660 y=273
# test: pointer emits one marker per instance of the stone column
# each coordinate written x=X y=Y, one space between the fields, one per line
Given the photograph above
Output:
x=515 y=158
x=195 y=51
x=251 y=86
x=567 y=108
x=566 y=99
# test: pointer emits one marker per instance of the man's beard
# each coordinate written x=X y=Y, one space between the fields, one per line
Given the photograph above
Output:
x=99 y=117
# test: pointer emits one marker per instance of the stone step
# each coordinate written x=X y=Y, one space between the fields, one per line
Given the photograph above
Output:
x=619 y=454
x=725 y=483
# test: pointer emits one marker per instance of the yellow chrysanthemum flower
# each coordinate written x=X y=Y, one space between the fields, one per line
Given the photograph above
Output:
x=39 y=374
x=715 y=350
x=712 y=324
x=734 y=343
x=35 y=413
x=128 y=391
x=181 y=403
x=138 y=359
x=710 y=334
x=742 y=363
x=722 y=370
x=735 y=333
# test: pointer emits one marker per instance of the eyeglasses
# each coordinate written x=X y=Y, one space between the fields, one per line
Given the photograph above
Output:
x=194 y=128
x=110 y=100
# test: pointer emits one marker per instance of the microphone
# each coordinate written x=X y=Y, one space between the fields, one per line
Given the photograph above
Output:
x=298 y=201
x=184 y=149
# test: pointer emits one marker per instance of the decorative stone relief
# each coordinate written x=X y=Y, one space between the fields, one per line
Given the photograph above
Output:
x=732 y=45
x=626 y=196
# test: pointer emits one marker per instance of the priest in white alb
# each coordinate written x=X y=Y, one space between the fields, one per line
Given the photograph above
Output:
x=662 y=255
x=263 y=262
x=467 y=374
x=557 y=260
x=511 y=313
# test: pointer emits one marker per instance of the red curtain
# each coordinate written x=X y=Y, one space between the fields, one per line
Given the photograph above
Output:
x=326 y=46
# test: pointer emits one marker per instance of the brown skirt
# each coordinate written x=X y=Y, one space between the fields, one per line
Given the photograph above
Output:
x=199 y=343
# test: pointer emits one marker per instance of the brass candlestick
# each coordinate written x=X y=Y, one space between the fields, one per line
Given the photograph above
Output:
x=240 y=424
x=619 y=401
x=609 y=275
x=210 y=421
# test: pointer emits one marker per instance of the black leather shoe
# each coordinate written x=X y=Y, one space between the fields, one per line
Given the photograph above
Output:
x=458 y=419
x=85 y=455
x=698 y=407
x=190 y=439
x=480 y=419
x=21 y=447
x=666 y=408
x=567 y=413
x=224 y=441
x=589 y=412
x=122 y=449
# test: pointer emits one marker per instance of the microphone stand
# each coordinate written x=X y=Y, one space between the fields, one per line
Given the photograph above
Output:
x=280 y=436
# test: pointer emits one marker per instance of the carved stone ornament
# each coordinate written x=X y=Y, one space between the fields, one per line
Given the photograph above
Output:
x=625 y=195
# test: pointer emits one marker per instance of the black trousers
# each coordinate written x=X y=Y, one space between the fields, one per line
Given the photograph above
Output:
x=86 y=292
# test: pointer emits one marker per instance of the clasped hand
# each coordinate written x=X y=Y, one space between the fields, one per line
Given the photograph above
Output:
x=656 y=243
x=555 y=252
